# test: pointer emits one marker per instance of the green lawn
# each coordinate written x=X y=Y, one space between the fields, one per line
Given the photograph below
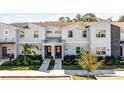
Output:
x=71 y=67
x=33 y=67
x=83 y=78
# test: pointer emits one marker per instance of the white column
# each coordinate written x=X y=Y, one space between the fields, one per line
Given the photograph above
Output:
x=53 y=51
x=43 y=51
x=62 y=51
x=15 y=50
x=123 y=50
x=0 y=51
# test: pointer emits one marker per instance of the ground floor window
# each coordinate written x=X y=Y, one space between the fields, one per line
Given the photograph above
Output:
x=100 y=50
x=77 y=50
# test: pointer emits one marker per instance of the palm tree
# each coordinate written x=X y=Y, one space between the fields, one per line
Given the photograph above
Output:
x=88 y=61
x=27 y=48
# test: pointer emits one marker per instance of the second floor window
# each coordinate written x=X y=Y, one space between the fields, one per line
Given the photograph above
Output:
x=50 y=32
x=36 y=34
x=101 y=34
x=84 y=34
x=70 y=34
x=57 y=32
x=6 y=32
x=22 y=34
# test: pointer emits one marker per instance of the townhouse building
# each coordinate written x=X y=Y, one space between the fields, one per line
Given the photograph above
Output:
x=58 y=39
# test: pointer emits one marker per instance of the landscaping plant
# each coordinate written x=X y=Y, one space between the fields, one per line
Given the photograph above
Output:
x=89 y=62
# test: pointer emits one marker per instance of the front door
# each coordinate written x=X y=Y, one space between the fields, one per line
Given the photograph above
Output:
x=4 y=51
x=58 y=51
x=47 y=51
x=121 y=51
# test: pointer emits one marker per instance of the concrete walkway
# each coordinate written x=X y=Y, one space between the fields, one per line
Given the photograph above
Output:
x=58 y=64
x=2 y=61
x=45 y=65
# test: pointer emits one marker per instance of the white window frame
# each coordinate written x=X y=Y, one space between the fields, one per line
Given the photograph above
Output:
x=49 y=32
x=79 y=50
x=84 y=35
x=36 y=33
x=100 y=33
x=101 y=50
x=70 y=34
x=5 y=32
x=22 y=33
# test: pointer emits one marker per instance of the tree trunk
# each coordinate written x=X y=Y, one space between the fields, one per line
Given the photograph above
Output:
x=25 y=58
x=88 y=76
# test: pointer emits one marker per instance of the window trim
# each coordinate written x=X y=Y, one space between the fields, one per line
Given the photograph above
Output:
x=36 y=34
x=101 y=34
x=100 y=50
x=22 y=34
x=84 y=34
x=70 y=34
x=7 y=32
x=78 y=50
x=49 y=32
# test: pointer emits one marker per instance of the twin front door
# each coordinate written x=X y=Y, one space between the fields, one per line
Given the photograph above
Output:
x=47 y=50
x=57 y=52
x=4 y=51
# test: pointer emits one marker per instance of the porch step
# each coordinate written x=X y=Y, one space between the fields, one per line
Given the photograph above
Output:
x=45 y=65
x=58 y=64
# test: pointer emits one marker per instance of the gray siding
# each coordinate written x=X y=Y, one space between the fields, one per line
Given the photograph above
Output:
x=115 y=40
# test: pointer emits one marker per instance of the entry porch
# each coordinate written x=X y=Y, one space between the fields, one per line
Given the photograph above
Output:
x=53 y=50
x=7 y=49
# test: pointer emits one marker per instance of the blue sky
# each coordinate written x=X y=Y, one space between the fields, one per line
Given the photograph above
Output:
x=36 y=17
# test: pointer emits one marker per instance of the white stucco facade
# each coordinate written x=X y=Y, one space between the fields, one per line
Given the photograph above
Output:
x=100 y=42
x=54 y=40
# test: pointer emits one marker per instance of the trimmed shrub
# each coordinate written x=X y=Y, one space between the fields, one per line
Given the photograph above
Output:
x=111 y=60
x=18 y=63
x=30 y=60
x=35 y=62
x=25 y=63
x=70 y=59
x=8 y=63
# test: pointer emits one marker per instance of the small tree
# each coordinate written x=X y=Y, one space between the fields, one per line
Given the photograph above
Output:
x=88 y=61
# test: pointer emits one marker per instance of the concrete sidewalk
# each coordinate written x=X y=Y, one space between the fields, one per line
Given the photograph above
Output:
x=60 y=72
x=32 y=73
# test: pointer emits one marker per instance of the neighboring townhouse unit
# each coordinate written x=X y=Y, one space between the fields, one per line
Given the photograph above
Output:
x=58 y=39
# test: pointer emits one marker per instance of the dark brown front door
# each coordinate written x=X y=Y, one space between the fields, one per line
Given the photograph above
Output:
x=58 y=51
x=47 y=51
x=121 y=51
x=4 y=51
